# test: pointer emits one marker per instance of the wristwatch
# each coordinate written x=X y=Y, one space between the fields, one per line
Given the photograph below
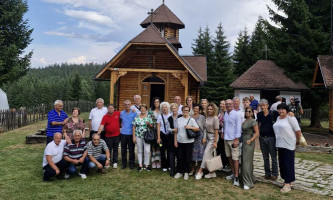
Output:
x=109 y=159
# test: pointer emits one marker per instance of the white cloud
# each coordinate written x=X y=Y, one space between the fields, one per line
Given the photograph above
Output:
x=90 y=16
x=78 y=60
x=43 y=61
x=57 y=33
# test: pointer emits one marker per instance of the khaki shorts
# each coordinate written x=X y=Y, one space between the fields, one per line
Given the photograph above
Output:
x=231 y=152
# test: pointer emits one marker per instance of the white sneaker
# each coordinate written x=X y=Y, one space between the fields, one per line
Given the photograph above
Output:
x=230 y=177
x=158 y=165
x=226 y=169
x=246 y=187
x=210 y=175
x=186 y=176
x=115 y=165
x=107 y=167
x=198 y=176
x=153 y=165
x=67 y=176
x=178 y=175
x=165 y=169
x=236 y=182
x=83 y=176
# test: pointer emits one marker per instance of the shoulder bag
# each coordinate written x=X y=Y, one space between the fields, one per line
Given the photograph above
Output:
x=215 y=163
x=150 y=135
x=190 y=133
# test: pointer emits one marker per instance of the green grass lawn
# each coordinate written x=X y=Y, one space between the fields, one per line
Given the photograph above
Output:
x=21 y=178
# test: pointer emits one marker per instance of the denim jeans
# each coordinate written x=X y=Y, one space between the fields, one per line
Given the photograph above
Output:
x=267 y=146
x=73 y=168
x=101 y=159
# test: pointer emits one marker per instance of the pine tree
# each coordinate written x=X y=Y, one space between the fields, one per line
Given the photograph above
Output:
x=76 y=88
x=297 y=42
x=14 y=38
x=242 y=57
x=258 y=42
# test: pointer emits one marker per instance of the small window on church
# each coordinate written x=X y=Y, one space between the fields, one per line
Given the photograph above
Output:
x=154 y=79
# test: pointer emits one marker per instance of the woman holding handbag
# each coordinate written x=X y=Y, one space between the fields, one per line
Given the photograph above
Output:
x=154 y=112
x=140 y=126
x=288 y=134
x=212 y=127
x=183 y=143
x=199 y=142
x=164 y=136
x=250 y=132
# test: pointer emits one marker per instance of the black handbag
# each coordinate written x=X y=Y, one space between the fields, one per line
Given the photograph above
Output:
x=190 y=133
x=150 y=135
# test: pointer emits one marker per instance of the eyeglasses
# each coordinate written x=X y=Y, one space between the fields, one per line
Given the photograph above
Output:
x=249 y=111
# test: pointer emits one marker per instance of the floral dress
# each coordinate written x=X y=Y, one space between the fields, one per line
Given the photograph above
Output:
x=140 y=125
x=71 y=126
x=198 y=147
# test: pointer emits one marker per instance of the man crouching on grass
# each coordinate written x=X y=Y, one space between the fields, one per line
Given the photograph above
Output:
x=95 y=154
x=53 y=162
x=75 y=154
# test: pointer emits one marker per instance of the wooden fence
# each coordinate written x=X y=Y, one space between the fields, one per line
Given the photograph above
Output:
x=12 y=119
x=307 y=115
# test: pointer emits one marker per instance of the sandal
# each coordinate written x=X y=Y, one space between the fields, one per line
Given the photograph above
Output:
x=285 y=189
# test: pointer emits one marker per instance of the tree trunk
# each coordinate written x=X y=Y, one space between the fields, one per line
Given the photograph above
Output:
x=315 y=116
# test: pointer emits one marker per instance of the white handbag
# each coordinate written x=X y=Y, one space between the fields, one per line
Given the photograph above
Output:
x=215 y=163
x=302 y=141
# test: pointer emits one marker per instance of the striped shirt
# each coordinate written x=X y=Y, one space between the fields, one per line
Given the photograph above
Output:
x=75 y=152
x=53 y=116
x=96 y=151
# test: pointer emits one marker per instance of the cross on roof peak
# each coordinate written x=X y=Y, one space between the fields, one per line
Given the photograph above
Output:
x=266 y=49
x=163 y=1
x=152 y=13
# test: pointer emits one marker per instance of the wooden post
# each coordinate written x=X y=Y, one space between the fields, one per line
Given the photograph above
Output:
x=331 y=111
x=112 y=82
x=185 y=83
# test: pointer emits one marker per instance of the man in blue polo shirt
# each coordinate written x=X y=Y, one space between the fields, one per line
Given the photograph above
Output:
x=254 y=104
x=126 y=135
x=56 y=119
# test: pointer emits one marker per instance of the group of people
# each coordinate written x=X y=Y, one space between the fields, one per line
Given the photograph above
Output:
x=229 y=131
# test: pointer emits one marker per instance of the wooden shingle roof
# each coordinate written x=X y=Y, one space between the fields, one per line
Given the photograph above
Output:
x=163 y=16
x=265 y=74
x=199 y=64
x=325 y=71
x=149 y=35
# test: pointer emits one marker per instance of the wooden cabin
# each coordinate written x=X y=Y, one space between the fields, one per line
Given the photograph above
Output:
x=266 y=80
x=149 y=65
x=323 y=77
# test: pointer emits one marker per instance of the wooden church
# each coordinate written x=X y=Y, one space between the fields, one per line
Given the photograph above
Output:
x=149 y=65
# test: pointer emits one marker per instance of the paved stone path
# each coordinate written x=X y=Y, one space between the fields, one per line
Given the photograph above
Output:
x=311 y=176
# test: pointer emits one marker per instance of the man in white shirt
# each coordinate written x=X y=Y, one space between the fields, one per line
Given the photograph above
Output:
x=53 y=162
x=178 y=101
x=96 y=116
x=137 y=104
x=231 y=133
x=278 y=101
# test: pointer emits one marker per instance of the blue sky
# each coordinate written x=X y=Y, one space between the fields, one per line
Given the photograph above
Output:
x=80 y=31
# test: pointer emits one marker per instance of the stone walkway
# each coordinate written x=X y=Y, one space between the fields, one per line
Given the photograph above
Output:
x=311 y=176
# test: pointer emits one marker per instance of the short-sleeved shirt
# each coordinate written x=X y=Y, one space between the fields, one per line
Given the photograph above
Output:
x=71 y=126
x=136 y=108
x=274 y=106
x=212 y=124
x=181 y=133
x=96 y=115
x=111 y=124
x=141 y=125
x=96 y=151
x=254 y=104
x=285 y=132
x=266 y=123
x=167 y=125
x=75 y=152
x=53 y=116
x=126 y=121
x=56 y=151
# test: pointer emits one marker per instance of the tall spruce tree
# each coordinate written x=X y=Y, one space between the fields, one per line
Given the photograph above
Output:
x=14 y=38
x=258 y=42
x=296 y=43
x=203 y=46
x=242 y=56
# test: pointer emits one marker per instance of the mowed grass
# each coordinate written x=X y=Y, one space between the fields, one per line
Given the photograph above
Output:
x=21 y=178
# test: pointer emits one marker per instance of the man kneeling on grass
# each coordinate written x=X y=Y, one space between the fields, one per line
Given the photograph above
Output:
x=95 y=155
x=75 y=153
x=53 y=162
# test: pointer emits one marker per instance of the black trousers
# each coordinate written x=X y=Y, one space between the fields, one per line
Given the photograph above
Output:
x=113 y=144
x=287 y=164
x=127 y=143
x=221 y=151
x=184 y=157
x=50 y=172
x=167 y=151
